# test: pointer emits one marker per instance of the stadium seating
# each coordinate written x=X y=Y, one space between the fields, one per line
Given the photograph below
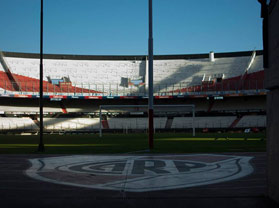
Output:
x=201 y=82
x=104 y=76
x=252 y=121
x=74 y=124
x=17 y=124
x=203 y=122
x=136 y=123
x=92 y=124
x=71 y=124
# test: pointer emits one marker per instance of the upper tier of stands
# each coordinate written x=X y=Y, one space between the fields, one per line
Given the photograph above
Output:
x=104 y=76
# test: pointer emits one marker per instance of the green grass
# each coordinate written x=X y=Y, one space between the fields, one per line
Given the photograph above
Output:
x=124 y=143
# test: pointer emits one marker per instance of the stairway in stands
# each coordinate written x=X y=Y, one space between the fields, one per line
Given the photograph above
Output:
x=63 y=107
x=235 y=122
x=8 y=78
x=211 y=104
x=105 y=124
x=169 y=123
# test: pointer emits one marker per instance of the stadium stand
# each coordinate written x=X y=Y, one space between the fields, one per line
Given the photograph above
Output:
x=136 y=123
x=203 y=122
x=172 y=75
x=18 y=124
x=252 y=121
x=71 y=124
x=227 y=90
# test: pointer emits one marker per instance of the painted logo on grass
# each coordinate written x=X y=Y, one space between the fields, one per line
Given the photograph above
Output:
x=140 y=173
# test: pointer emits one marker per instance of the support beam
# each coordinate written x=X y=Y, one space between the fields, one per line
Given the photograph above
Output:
x=100 y=121
x=41 y=147
x=150 y=80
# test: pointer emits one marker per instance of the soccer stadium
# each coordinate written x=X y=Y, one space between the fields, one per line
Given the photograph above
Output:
x=226 y=90
x=97 y=118
x=96 y=105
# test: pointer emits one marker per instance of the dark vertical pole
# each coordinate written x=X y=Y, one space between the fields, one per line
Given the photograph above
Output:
x=264 y=15
x=265 y=36
x=150 y=80
x=41 y=147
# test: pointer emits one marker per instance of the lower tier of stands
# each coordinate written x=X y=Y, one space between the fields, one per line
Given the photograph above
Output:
x=7 y=123
x=10 y=124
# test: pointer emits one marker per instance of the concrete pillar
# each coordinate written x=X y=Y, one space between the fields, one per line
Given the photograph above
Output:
x=273 y=144
x=271 y=47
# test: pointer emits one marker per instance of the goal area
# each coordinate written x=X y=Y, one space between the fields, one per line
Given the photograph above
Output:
x=134 y=118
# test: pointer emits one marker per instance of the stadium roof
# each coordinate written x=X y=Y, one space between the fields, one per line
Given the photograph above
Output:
x=130 y=57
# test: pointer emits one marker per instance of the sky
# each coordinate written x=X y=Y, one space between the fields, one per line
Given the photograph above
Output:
x=120 y=27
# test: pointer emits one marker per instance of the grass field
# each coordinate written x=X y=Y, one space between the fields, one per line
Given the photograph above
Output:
x=126 y=143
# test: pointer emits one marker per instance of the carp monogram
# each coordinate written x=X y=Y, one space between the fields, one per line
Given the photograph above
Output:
x=140 y=173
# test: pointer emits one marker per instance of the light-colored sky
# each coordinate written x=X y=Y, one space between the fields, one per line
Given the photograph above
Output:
x=120 y=27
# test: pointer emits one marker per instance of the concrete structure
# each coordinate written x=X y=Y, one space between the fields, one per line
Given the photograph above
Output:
x=270 y=15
